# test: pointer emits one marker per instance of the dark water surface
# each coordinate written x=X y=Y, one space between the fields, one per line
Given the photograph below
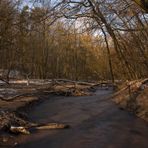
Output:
x=96 y=122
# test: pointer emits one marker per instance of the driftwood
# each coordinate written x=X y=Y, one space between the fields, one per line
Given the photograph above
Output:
x=19 y=129
x=8 y=119
x=75 y=82
x=73 y=91
x=51 y=88
x=2 y=79
x=26 y=131
x=51 y=126
x=17 y=123
x=16 y=96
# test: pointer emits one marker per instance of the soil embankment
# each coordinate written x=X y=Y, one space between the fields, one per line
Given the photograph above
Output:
x=133 y=96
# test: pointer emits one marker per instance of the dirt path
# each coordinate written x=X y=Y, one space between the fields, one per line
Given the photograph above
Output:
x=95 y=121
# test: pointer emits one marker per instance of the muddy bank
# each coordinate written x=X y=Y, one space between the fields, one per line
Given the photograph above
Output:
x=17 y=95
x=133 y=96
x=15 y=99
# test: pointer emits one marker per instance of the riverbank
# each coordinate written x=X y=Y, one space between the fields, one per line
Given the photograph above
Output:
x=17 y=96
x=133 y=96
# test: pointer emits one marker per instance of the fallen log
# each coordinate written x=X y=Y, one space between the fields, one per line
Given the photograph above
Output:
x=57 y=81
x=17 y=124
x=19 y=130
x=16 y=96
x=51 y=126
x=5 y=81
x=26 y=130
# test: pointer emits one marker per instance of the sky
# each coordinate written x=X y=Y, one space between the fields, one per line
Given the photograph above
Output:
x=45 y=2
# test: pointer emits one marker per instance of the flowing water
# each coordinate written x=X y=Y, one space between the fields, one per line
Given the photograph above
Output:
x=95 y=122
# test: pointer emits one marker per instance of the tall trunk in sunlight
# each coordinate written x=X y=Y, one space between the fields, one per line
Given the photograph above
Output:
x=109 y=55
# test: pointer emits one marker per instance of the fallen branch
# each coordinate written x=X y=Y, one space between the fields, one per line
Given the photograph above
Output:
x=19 y=129
x=51 y=126
x=9 y=99
x=26 y=131
x=75 y=82
x=3 y=80
x=18 y=124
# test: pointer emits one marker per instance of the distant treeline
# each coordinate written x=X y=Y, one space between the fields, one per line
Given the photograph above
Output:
x=36 y=43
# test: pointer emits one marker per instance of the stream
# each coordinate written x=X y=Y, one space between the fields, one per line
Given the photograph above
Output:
x=95 y=122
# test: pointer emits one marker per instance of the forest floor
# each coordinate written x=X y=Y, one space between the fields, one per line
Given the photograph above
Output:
x=95 y=121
